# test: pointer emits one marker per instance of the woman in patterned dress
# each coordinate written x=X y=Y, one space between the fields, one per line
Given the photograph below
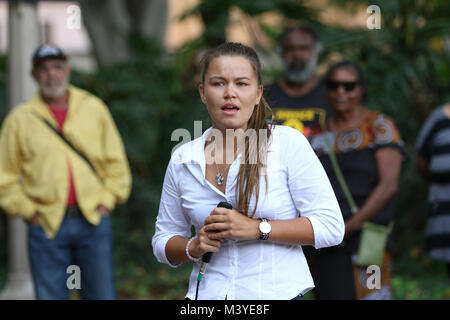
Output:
x=369 y=151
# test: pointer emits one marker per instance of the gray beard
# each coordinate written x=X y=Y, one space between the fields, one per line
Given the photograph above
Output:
x=55 y=93
x=300 y=76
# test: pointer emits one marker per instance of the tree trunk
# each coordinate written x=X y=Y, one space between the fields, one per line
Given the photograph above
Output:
x=149 y=18
x=108 y=26
x=111 y=23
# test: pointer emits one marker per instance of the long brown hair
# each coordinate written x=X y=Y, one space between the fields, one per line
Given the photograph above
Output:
x=249 y=176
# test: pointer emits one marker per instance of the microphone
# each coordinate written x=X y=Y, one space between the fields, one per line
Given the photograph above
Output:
x=207 y=256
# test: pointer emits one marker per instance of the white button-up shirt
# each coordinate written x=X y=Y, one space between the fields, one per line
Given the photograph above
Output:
x=251 y=269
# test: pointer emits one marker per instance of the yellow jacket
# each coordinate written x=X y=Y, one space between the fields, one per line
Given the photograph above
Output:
x=34 y=161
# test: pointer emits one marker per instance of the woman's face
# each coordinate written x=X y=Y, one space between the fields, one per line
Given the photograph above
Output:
x=230 y=92
x=343 y=90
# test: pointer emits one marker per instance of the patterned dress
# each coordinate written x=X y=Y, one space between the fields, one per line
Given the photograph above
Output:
x=355 y=150
x=434 y=145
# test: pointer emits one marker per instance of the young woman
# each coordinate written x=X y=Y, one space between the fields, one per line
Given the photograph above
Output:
x=280 y=195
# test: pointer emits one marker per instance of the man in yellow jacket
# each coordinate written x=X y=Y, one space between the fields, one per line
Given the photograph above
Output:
x=63 y=169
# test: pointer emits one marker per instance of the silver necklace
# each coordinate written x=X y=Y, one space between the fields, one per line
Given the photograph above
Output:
x=220 y=176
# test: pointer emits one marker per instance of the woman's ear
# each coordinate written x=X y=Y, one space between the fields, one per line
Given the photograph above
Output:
x=201 y=91
x=259 y=93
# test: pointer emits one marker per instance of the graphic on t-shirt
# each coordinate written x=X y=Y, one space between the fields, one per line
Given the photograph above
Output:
x=300 y=119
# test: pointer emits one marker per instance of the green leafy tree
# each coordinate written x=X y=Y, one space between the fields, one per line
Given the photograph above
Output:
x=215 y=15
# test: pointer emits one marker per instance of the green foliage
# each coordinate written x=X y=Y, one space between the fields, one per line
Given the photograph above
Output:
x=216 y=13
x=417 y=277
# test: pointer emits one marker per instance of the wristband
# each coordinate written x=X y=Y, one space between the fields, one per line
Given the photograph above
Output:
x=187 y=251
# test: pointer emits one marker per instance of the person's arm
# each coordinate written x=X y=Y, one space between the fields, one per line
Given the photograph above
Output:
x=176 y=247
x=389 y=163
x=171 y=224
x=230 y=223
x=13 y=200
x=173 y=227
x=424 y=141
x=321 y=222
x=116 y=173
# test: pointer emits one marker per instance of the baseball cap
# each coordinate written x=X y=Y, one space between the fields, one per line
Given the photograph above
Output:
x=47 y=51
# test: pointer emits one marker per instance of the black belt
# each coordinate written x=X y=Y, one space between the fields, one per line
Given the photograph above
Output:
x=73 y=211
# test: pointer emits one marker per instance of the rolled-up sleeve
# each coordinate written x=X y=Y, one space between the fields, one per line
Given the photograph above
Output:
x=171 y=220
x=312 y=192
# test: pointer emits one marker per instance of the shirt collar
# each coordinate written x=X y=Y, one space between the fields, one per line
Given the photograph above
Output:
x=193 y=152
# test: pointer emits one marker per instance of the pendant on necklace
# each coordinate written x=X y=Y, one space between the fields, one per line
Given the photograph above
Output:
x=219 y=178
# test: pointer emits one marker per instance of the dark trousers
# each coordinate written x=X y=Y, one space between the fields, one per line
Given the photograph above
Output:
x=332 y=272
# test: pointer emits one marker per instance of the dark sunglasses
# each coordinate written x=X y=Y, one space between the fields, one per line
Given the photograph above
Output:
x=348 y=86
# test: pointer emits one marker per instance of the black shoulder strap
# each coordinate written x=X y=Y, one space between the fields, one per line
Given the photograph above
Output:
x=69 y=144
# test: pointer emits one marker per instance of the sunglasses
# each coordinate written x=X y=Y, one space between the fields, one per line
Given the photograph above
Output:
x=348 y=86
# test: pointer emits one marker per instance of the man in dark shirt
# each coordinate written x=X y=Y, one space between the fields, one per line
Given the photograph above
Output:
x=298 y=98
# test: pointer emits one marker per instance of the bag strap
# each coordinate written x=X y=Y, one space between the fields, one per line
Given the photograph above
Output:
x=337 y=170
x=69 y=144
x=340 y=177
